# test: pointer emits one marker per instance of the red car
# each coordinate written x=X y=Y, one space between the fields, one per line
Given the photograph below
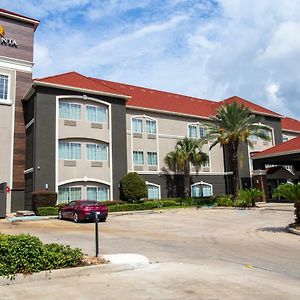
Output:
x=82 y=210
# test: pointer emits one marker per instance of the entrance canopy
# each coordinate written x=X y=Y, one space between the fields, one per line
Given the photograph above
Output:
x=287 y=153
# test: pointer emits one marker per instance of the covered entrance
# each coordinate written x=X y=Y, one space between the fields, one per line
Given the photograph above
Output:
x=276 y=165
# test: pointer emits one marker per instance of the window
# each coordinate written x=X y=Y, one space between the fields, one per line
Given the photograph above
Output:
x=151 y=126
x=97 y=193
x=138 y=157
x=285 y=138
x=192 y=131
x=69 y=194
x=96 y=152
x=3 y=87
x=137 y=125
x=96 y=114
x=152 y=158
x=153 y=191
x=201 y=190
x=253 y=137
x=69 y=151
x=202 y=131
x=69 y=111
x=206 y=164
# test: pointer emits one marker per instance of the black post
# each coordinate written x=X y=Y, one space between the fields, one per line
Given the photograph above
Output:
x=96 y=234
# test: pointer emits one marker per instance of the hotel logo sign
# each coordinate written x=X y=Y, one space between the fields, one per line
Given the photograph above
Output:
x=6 y=41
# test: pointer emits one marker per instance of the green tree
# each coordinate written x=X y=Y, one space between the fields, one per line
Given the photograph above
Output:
x=291 y=192
x=251 y=195
x=187 y=152
x=133 y=187
x=232 y=125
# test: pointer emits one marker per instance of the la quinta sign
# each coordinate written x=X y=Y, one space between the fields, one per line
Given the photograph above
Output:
x=7 y=41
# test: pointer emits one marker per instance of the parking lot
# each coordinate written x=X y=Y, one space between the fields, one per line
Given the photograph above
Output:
x=246 y=250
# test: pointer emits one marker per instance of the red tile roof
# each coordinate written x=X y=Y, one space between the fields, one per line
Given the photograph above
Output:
x=76 y=80
x=290 y=124
x=291 y=146
x=142 y=97
x=7 y=12
x=161 y=101
x=254 y=107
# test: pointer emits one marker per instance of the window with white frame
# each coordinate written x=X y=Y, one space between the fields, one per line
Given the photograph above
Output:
x=69 y=150
x=202 y=131
x=96 y=114
x=151 y=126
x=206 y=164
x=70 y=111
x=153 y=191
x=99 y=193
x=152 y=158
x=201 y=189
x=67 y=194
x=3 y=87
x=253 y=137
x=192 y=131
x=96 y=152
x=285 y=138
x=137 y=125
x=138 y=157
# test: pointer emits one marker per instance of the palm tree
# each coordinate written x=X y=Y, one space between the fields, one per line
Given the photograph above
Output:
x=251 y=195
x=231 y=126
x=187 y=152
x=291 y=192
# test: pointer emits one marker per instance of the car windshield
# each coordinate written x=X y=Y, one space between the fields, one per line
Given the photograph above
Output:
x=88 y=203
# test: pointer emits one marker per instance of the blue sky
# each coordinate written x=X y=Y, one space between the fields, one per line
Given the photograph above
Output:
x=207 y=48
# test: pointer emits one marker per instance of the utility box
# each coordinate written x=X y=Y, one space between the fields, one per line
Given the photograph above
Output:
x=3 y=195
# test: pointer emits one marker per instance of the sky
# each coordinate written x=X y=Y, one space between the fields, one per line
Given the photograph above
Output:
x=211 y=49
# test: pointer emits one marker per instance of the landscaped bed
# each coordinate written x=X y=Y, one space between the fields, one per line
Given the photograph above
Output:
x=26 y=254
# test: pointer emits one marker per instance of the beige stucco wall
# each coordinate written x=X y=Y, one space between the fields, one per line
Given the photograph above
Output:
x=84 y=133
x=170 y=129
x=6 y=133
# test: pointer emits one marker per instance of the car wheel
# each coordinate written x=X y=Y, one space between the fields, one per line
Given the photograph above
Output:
x=60 y=215
x=76 y=217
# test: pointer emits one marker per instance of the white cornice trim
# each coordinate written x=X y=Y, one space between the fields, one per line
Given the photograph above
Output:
x=16 y=64
x=65 y=87
x=290 y=130
x=19 y=18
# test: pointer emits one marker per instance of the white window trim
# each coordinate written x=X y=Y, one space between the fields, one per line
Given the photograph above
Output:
x=7 y=101
x=148 y=157
x=97 y=186
x=69 y=188
x=198 y=125
x=91 y=105
x=157 y=185
x=143 y=158
x=203 y=183
x=70 y=104
x=137 y=118
x=75 y=159
x=107 y=154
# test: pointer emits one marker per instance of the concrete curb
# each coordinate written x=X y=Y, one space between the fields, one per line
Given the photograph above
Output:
x=69 y=272
x=293 y=230
x=31 y=219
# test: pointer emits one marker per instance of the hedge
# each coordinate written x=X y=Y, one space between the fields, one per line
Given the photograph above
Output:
x=27 y=254
x=47 y=211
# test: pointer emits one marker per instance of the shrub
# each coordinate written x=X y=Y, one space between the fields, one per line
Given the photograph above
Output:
x=242 y=202
x=133 y=187
x=114 y=202
x=43 y=199
x=47 y=211
x=197 y=201
x=27 y=254
x=225 y=201
x=250 y=195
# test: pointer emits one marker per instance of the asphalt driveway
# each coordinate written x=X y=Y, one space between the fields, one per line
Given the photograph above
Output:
x=246 y=252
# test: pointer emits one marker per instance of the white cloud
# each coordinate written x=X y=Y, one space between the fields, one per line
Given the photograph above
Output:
x=210 y=49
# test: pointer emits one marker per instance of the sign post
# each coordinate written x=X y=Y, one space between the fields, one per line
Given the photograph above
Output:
x=96 y=233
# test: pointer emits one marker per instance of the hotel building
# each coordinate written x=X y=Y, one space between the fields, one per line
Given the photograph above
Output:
x=84 y=134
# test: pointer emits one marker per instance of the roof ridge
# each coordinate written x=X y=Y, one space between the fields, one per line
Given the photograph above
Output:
x=57 y=75
x=191 y=98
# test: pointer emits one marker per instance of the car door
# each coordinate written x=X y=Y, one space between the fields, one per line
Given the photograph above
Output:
x=69 y=210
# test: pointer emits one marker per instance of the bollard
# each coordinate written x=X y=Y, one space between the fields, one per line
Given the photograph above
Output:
x=96 y=233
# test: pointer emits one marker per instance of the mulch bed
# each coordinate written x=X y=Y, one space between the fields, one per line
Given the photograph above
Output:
x=92 y=260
